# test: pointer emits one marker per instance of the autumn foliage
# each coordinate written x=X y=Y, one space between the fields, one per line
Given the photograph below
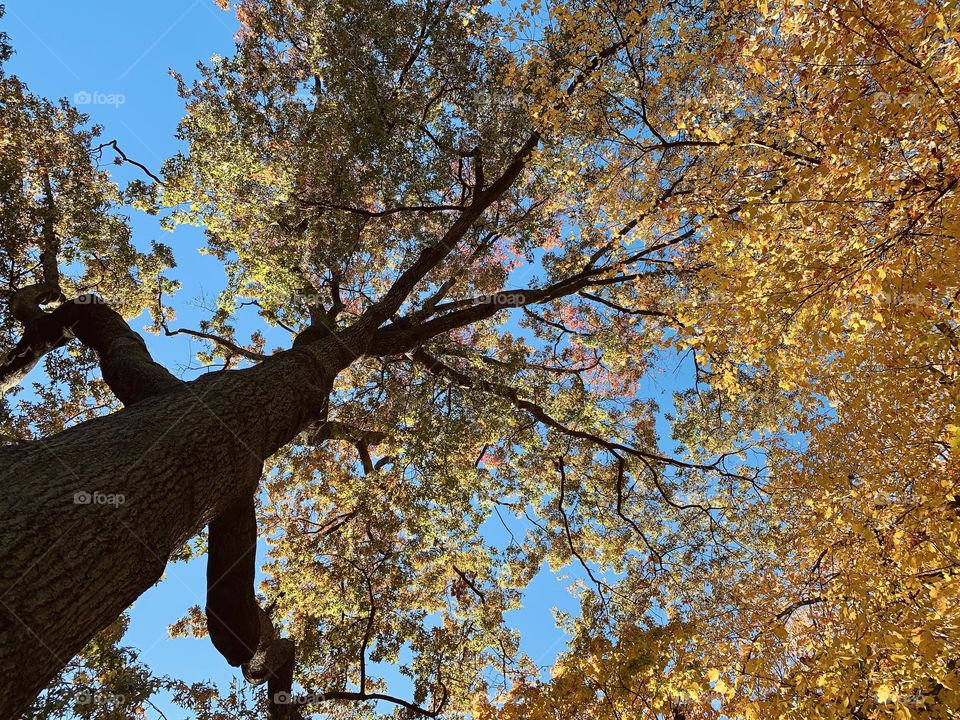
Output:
x=763 y=193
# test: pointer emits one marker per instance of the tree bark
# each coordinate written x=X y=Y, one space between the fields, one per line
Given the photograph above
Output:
x=89 y=517
x=124 y=360
x=233 y=615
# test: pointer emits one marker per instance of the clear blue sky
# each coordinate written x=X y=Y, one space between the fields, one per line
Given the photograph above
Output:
x=112 y=57
x=115 y=55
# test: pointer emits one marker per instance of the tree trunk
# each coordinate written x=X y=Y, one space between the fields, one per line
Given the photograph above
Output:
x=89 y=517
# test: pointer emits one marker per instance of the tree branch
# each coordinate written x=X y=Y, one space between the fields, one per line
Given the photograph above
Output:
x=126 y=364
x=217 y=339
x=363 y=212
x=434 y=254
x=402 y=336
x=364 y=697
x=439 y=368
x=124 y=158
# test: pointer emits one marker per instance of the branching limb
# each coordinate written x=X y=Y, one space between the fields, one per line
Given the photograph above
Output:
x=123 y=158
x=434 y=254
x=400 y=337
x=441 y=369
x=217 y=339
x=127 y=366
x=369 y=697
x=386 y=212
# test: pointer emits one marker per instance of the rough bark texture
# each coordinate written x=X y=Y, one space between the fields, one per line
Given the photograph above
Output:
x=233 y=615
x=127 y=366
x=89 y=517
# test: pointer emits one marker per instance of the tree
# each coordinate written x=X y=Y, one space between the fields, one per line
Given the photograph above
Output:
x=483 y=228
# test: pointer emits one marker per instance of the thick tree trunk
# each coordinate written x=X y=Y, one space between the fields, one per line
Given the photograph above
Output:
x=89 y=517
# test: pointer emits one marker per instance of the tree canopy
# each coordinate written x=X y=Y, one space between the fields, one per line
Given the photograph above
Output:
x=509 y=216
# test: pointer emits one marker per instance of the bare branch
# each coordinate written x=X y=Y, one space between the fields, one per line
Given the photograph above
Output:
x=124 y=158
x=367 y=697
x=510 y=394
x=222 y=341
x=434 y=254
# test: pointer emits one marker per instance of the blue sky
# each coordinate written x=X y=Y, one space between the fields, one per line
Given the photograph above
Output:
x=112 y=58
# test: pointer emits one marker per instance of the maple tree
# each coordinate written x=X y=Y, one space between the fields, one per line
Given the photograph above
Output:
x=483 y=228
